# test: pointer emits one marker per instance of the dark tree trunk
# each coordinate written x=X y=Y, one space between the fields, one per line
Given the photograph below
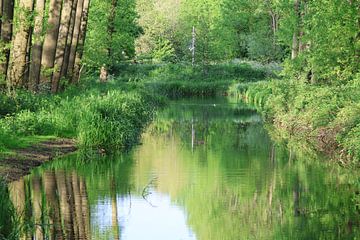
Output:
x=6 y=35
x=67 y=49
x=75 y=38
x=36 y=49
x=81 y=41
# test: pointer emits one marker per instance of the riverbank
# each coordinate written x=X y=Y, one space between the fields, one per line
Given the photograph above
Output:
x=317 y=117
x=23 y=160
x=92 y=116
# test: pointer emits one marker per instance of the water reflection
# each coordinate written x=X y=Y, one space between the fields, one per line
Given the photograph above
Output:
x=206 y=170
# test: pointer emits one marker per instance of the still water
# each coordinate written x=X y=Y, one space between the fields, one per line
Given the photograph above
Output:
x=206 y=170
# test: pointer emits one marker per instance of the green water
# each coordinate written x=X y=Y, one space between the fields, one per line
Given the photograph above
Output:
x=206 y=169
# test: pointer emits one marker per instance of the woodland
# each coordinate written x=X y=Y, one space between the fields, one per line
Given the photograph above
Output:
x=297 y=62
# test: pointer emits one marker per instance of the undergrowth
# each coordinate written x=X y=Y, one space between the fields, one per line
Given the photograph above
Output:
x=109 y=116
x=326 y=116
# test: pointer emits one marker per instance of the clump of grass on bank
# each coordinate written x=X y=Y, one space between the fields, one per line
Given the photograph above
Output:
x=109 y=116
x=325 y=116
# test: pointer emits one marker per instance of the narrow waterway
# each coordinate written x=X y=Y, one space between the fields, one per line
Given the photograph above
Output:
x=206 y=170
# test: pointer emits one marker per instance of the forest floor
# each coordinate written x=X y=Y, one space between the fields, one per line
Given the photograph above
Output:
x=23 y=160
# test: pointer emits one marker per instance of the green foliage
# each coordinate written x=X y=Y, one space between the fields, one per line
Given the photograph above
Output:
x=318 y=115
x=98 y=118
x=164 y=51
x=176 y=80
x=98 y=42
x=225 y=29
x=114 y=120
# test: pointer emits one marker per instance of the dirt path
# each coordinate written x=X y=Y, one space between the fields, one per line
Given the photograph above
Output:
x=18 y=165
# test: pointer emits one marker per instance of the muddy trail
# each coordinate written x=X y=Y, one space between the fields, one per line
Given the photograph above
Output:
x=24 y=160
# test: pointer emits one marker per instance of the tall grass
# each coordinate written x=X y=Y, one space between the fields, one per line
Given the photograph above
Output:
x=109 y=116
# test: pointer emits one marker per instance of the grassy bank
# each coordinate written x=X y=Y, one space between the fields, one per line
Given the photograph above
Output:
x=181 y=80
x=324 y=118
x=109 y=117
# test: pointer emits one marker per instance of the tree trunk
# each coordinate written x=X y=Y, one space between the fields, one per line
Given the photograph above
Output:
x=295 y=41
x=49 y=47
x=36 y=49
x=302 y=45
x=81 y=41
x=75 y=38
x=1 y=13
x=60 y=49
x=67 y=49
x=18 y=64
x=111 y=27
x=6 y=35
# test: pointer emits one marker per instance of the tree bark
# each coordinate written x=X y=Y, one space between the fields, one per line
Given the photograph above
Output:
x=18 y=65
x=36 y=49
x=60 y=49
x=75 y=38
x=49 y=46
x=65 y=64
x=295 y=41
x=81 y=42
x=6 y=35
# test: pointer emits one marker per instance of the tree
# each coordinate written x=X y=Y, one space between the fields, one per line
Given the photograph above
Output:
x=6 y=36
x=36 y=50
x=49 y=46
x=81 y=42
x=67 y=9
x=74 y=39
x=112 y=30
x=18 y=65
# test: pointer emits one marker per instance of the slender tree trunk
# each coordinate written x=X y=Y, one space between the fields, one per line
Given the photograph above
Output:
x=295 y=42
x=18 y=65
x=81 y=42
x=49 y=47
x=67 y=49
x=75 y=38
x=111 y=27
x=6 y=35
x=1 y=13
x=60 y=49
x=302 y=45
x=36 y=49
